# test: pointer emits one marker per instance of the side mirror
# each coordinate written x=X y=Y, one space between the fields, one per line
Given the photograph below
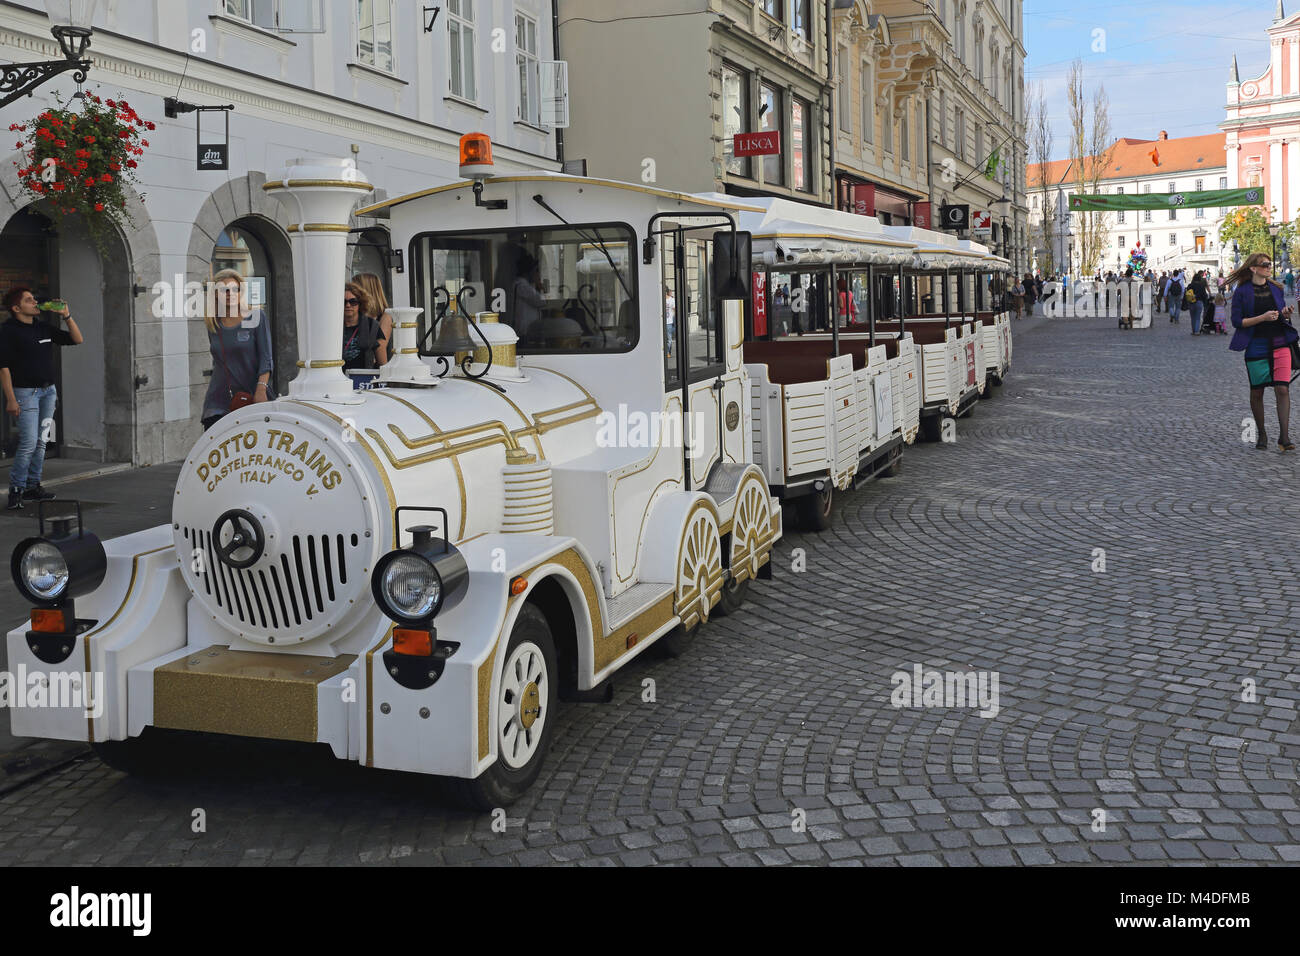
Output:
x=732 y=266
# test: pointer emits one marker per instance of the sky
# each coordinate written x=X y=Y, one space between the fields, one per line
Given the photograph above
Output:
x=1164 y=64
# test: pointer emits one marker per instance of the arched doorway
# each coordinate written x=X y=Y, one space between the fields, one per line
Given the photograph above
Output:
x=369 y=248
x=257 y=251
x=95 y=380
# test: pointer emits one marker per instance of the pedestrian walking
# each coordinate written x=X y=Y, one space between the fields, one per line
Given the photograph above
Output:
x=239 y=340
x=373 y=287
x=1200 y=295
x=1174 y=297
x=1018 y=297
x=1263 y=333
x=27 y=379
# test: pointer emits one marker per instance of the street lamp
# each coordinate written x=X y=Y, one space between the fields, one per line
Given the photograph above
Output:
x=1273 y=229
x=70 y=22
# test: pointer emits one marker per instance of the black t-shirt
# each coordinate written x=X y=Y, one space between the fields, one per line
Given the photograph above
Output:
x=27 y=350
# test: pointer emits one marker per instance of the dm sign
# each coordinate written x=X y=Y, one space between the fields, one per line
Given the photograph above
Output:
x=214 y=156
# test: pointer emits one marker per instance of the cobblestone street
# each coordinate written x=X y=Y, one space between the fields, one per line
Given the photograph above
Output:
x=1121 y=733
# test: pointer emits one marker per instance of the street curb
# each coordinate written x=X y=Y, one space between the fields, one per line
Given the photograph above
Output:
x=98 y=472
x=26 y=765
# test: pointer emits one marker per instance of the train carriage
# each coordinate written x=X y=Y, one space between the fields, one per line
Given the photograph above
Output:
x=553 y=474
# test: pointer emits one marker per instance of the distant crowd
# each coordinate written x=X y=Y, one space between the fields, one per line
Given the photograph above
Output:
x=1203 y=297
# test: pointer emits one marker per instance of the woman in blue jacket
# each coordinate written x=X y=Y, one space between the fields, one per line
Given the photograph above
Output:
x=1259 y=315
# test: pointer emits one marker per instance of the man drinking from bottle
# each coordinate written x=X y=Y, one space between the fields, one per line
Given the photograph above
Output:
x=27 y=379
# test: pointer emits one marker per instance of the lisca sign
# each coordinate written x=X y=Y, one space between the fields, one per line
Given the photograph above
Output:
x=758 y=144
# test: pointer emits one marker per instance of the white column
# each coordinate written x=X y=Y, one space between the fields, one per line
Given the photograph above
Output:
x=1292 y=180
x=1275 y=173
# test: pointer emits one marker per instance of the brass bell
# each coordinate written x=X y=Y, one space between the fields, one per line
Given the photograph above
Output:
x=453 y=335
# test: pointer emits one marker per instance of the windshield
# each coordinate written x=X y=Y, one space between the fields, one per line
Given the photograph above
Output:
x=564 y=290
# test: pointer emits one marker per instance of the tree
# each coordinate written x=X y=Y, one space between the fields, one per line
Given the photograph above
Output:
x=1091 y=149
x=1249 y=226
x=1040 y=149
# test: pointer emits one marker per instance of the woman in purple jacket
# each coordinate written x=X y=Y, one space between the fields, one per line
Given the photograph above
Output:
x=1259 y=315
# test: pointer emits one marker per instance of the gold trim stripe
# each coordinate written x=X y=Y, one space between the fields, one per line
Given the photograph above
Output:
x=331 y=183
x=319 y=227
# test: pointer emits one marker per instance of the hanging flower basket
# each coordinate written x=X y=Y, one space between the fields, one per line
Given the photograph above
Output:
x=83 y=162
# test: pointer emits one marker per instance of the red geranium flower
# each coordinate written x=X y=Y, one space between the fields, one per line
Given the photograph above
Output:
x=106 y=178
x=150 y=126
x=111 y=104
x=131 y=164
x=82 y=164
x=90 y=139
x=144 y=142
x=59 y=187
x=99 y=207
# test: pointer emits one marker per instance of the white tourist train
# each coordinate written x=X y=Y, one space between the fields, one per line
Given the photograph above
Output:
x=598 y=404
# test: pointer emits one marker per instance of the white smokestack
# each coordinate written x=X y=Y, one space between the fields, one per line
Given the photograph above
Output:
x=318 y=195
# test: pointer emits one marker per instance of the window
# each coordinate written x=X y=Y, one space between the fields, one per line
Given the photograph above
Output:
x=1173 y=238
x=460 y=34
x=1173 y=187
x=1173 y=214
x=905 y=133
x=801 y=135
x=979 y=57
x=887 y=127
x=775 y=8
x=1147 y=240
x=1200 y=213
x=537 y=268
x=979 y=144
x=1119 y=216
x=1146 y=215
x=1119 y=190
x=527 y=69
x=846 y=94
x=868 y=113
x=1223 y=182
x=770 y=119
x=803 y=22
x=1146 y=187
x=960 y=123
x=375 y=34
x=258 y=12
x=1035 y=202
x=993 y=69
x=1200 y=184
x=1121 y=242
x=959 y=34
x=735 y=117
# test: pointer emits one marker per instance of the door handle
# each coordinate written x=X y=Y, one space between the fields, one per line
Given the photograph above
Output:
x=141 y=380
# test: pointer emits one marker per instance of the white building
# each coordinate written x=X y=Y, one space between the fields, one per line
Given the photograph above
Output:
x=370 y=79
x=1173 y=238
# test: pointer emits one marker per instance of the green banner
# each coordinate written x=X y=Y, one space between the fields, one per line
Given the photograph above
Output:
x=1251 y=196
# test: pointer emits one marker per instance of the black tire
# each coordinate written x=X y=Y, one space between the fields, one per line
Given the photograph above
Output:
x=678 y=641
x=732 y=597
x=817 y=510
x=501 y=785
x=895 y=468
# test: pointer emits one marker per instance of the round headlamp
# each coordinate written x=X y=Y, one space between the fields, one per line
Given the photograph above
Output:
x=52 y=569
x=411 y=585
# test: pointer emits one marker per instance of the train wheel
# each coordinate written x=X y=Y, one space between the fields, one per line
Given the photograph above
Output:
x=751 y=529
x=699 y=579
x=525 y=717
x=817 y=511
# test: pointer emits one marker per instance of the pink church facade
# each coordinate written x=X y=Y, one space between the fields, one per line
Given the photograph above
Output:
x=1263 y=122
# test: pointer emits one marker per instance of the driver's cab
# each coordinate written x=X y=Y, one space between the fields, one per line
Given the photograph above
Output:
x=633 y=294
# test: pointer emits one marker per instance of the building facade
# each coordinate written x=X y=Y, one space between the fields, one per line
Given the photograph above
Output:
x=1173 y=238
x=926 y=94
x=1262 y=125
x=375 y=80
x=658 y=97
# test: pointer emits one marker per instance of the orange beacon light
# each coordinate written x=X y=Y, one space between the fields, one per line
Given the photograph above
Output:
x=476 y=156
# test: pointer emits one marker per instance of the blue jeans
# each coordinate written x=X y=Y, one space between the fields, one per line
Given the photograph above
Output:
x=1195 y=311
x=1174 y=306
x=35 y=428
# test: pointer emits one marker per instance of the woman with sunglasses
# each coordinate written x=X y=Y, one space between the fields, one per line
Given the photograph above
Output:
x=1259 y=314
x=363 y=339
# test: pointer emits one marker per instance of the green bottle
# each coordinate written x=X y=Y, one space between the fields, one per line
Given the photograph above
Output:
x=54 y=305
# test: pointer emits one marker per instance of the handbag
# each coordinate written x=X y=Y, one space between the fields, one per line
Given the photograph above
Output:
x=238 y=397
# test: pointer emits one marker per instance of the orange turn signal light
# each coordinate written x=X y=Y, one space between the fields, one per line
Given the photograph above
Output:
x=476 y=149
x=518 y=586
x=49 y=620
x=412 y=643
